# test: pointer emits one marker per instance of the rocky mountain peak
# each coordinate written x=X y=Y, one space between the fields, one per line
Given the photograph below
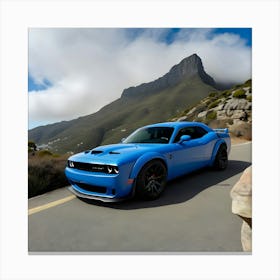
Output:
x=189 y=67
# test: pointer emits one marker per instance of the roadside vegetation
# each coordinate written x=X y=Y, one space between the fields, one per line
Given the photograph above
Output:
x=45 y=171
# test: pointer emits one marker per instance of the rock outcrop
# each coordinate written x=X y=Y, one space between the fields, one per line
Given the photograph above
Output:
x=241 y=195
x=187 y=68
x=230 y=108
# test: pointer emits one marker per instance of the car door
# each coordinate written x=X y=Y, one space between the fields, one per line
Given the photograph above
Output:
x=190 y=155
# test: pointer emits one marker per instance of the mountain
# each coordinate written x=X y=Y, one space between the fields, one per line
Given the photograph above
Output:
x=184 y=85
x=186 y=69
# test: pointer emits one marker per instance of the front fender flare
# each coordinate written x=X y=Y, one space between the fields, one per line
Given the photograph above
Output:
x=141 y=161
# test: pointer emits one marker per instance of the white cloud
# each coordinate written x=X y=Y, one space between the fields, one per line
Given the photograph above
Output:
x=89 y=68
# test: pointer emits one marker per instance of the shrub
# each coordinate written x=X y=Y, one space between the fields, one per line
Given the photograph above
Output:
x=32 y=146
x=211 y=115
x=248 y=83
x=243 y=130
x=237 y=86
x=214 y=104
x=213 y=94
x=249 y=98
x=226 y=93
x=44 y=153
x=240 y=93
x=45 y=174
x=186 y=111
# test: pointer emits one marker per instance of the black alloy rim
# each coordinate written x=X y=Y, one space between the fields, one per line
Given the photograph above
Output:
x=154 y=179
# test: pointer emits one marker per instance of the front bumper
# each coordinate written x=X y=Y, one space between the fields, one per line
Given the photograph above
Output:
x=100 y=186
x=100 y=198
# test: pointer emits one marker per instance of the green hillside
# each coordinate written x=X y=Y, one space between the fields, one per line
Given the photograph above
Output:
x=119 y=118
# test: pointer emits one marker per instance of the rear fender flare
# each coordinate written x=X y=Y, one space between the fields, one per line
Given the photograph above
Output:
x=143 y=160
x=218 y=144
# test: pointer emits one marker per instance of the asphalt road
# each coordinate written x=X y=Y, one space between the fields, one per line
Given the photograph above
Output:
x=193 y=215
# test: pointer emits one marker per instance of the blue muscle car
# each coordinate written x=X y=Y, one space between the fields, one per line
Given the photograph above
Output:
x=144 y=161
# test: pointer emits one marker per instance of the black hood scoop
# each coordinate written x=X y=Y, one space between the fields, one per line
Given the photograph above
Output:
x=94 y=152
x=114 y=153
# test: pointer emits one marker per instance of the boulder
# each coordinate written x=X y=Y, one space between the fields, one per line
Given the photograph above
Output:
x=241 y=195
x=237 y=104
x=202 y=114
x=222 y=115
x=220 y=107
x=239 y=114
x=246 y=237
x=192 y=111
x=181 y=119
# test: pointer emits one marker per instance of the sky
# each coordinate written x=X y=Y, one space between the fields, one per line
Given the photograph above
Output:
x=74 y=72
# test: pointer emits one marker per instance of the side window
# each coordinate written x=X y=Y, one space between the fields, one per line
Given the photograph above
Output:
x=199 y=132
x=184 y=131
x=194 y=131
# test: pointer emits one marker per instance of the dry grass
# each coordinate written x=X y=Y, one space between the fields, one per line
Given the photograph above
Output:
x=45 y=173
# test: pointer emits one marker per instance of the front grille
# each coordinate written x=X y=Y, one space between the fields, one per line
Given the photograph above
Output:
x=109 y=169
x=88 y=167
x=91 y=188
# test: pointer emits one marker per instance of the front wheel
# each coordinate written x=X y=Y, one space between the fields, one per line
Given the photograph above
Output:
x=151 y=180
x=221 y=159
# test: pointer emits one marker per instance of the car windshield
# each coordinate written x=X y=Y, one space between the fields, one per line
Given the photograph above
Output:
x=153 y=135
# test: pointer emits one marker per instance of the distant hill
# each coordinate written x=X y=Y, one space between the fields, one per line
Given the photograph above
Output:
x=183 y=86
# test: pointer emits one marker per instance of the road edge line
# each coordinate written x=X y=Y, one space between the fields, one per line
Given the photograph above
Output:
x=50 y=205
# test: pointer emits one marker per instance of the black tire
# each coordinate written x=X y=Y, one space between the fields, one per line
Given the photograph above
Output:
x=221 y=159
x=151 y=180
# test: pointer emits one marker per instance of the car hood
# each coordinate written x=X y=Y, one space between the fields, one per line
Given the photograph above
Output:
x=115 y=154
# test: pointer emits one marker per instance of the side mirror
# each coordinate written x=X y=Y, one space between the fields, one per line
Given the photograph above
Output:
x=184 y=138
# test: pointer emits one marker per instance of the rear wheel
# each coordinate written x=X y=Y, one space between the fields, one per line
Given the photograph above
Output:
x=151 y=180
x=221 y=159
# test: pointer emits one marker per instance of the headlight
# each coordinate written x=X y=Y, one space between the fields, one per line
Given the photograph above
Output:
x=71 y=164
x=112 y=169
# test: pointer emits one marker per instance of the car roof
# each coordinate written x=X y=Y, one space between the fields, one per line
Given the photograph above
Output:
x=178 y=124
